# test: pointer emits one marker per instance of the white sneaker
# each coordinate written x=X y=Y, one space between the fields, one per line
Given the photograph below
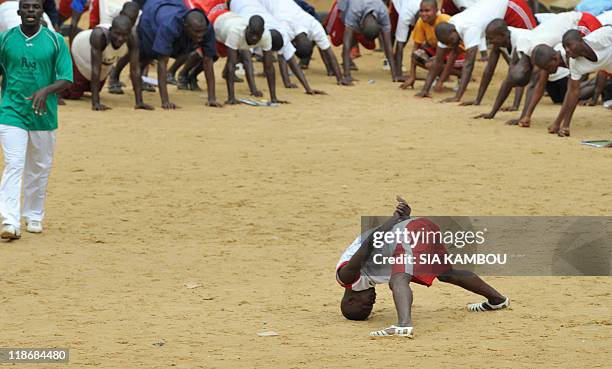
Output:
x=10 y=232
x=34 y=226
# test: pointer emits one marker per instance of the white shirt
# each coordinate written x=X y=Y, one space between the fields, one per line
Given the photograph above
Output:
x=472 y=22
x=249 y=8
x=371 y=274
x=110 y=9
x=229 y=30
x=550 y=32
x=81 y=53
x=408 y=14
x=600 y=41
x=297 y=21
x=605 y=17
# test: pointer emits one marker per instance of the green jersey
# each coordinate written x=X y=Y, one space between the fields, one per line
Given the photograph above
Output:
x=29 y=64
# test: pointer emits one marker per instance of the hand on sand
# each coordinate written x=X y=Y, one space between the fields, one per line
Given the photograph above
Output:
x=588 y=102
x=402 y=209
x=257 y=93
x=346 y=81
x=99 y=107
x=484 y=116
x=291 y=85
x=509 y=108
x=468 y=103
x=143 y=106
x=232 y=101
x=439 y=87
x=169 y=106
x=316 y=92
x=409 y=82
x=277 y=101
x=450 y=99
x=423 y=94
x=214 y=104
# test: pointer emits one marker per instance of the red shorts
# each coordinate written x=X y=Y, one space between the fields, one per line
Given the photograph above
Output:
x=79 y=86
x=221 y=50
x=335 y=28
x=519 y=15
x=64 y=8
x=94 y=13
x=588 y=23
x=431 y=51
x=212 y=8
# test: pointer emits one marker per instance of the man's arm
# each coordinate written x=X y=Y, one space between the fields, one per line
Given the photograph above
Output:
x=434 y=71
x=162 y=79
x=348 y=273
x=245 y=57
x=600 y=83
x=271 y=76
x=297 y=71
x=399 y=56
x=284 y=72
x=486 y=77
x=535 y=91
x=562 y=123
x=230 y=67
x=466 y=74
x=386 y=38
x=409 y=82
x=209 y=74
x=135 y=76
x=98 y=42
x=333 y=61
x=347 y=42
x=448 y=66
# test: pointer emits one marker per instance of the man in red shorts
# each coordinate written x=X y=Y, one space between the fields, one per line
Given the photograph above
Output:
x=359 y=271
x=362 y=21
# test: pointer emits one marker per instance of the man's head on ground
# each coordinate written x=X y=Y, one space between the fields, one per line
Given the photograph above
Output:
x=546 y=58
x=497 y=33
x=357 y=305
x=131 y=10
x=195 y=25
x=574 y=44
x=120 y=30
x=370 y=27
x=429 y=11
x=254 y=30
x=31 y=12
x=447 y=34
x=277 y=40
x=303 y=46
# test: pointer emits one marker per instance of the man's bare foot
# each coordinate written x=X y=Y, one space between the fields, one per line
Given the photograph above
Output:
x=564 y=132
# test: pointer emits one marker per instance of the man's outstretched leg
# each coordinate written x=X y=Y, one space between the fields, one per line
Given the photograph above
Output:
x=472 y=282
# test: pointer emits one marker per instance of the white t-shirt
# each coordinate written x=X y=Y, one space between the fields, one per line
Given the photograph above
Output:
x=370 y=274
x=472 y=22
x=408 y=14
x=297 y=21
x=229 y=30
x=110 y=9
x=600 y=41
x=550 y=32
x=249 y=8
x=81 y=53
x=605 y=18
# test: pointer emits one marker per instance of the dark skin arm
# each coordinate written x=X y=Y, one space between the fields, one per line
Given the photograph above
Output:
x=271 y=76
x=209 y=74
x=74 y=24
x=333 y=62
x=39 y=98
x=297 y=71
x=347 y=42
x=245 y=57
x=386 y=43
x=399 y=54
x=534 y=94
x=466 y=74
x=409 y=82
x=600 y=83
x=348 y=273
x=230 y=67
x=562 y=123
x=98 y=44
x=448 y=66
x=434 y=72
x=134 y=55
x=284 y=72
x=486 y=77
x=162 y=76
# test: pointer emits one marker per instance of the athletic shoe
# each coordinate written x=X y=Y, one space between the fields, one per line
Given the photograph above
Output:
x=34 y=226
x=10 y=232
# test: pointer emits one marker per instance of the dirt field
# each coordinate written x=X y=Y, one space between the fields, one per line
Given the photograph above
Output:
x=257 y=204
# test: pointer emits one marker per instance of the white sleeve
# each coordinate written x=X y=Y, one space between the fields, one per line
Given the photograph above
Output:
x=266 y=41
x=576 y=69
x=471 y=37
x=406 y=18
x=318 y=35
x=441 y=45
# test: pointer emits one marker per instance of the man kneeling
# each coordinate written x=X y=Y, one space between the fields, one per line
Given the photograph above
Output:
x=361 y=268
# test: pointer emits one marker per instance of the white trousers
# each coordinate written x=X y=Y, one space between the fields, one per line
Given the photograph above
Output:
x=27 y=159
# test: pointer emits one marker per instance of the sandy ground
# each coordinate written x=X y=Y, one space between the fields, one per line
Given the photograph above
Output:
x=257 y=204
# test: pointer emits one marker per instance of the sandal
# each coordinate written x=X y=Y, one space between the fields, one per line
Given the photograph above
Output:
x=396 y=331
x=486 y=306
